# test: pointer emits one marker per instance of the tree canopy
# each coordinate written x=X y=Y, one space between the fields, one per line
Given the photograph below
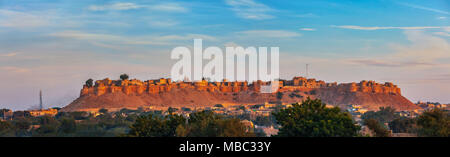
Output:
x=90 y=82
x=377 y=128
x=124 y=77
x=384 y=115
x=199 y=124
x=434 y=123
x=312 y=119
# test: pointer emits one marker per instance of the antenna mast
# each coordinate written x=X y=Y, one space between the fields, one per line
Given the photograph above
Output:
x=307 y=70
x=40 y=100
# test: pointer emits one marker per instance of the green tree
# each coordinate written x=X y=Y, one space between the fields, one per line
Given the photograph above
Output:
x=403 y=125
x=232 y=127
x=313 y=119
x=376 y=127
x=6 y=129
x=384 y=115
x=90 y=82
x=171 y=110
x=22 y=125
x=3 y=111
x=434 y=123
x=124 y=77
x=279 y=95
x=156 y=126
x=208 y=124
x=103 y=111
x=68 y=125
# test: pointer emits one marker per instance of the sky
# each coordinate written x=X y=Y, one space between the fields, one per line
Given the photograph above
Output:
x=54 y=46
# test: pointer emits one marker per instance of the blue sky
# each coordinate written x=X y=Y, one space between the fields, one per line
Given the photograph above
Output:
x=56 y=45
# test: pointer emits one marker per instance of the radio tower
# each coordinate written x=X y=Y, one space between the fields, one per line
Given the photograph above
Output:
x=40 y=100
x=307 y=72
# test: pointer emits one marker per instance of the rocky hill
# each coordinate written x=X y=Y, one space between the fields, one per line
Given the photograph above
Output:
x=163 y=93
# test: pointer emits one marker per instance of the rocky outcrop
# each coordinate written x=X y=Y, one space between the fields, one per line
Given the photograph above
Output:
x=108 y=93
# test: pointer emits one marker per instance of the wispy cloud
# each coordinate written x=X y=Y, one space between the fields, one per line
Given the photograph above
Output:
x=12 y=54
x=424 y=51
x=250 y=9
x=270 y=33
x=16 y=19
x=385 y=63
x=169 y=7
x=307 y=15
x=424 y=8
x=114 y=6
x=101 y=39
x=442 y=34
x=441 y=18
x=307 y=29
x=162 y=23
x=381 y=28
x=166 y=7
x=14 y=69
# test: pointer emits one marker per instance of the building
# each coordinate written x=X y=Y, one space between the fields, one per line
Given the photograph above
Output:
x=43 y=112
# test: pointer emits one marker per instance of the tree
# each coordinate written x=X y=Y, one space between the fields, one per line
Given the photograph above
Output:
x=279 y=95
x=208 y=124
x=90 y=83
x=376 y=127
x=6 y=129
x=171 y=110
x=155 y=126
x=68 y=125
x=384 y=115
x=103 y=111
x=21 y=126
x=3 y=111
x=403 y=125
x=200 y=124
x=313 y=119
x=434 y=123
x=124 y=77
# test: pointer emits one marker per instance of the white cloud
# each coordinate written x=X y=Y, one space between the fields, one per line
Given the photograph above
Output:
x=15 y=19
x=381 y=28
x=308 y=15
x=250 y=9
x=307 y=29
x=447 y=29
x=424 y=51
x=424 y=8
x=270 y=33
x=114 y=6
x=442 y=34
x=232 y=44
x=166 y=7
x=441 y=18
x=424 y=47
x=165 y=23
x=102 y=39
x=186 y=37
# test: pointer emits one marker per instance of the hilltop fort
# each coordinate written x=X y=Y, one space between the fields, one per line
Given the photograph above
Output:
x=163 y=92
x=165 y=85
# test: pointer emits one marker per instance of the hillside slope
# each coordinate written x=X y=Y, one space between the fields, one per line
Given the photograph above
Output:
x=194 y=98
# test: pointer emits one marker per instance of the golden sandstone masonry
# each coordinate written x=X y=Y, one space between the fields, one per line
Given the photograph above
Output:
x=296 y=84
x=163 y=93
